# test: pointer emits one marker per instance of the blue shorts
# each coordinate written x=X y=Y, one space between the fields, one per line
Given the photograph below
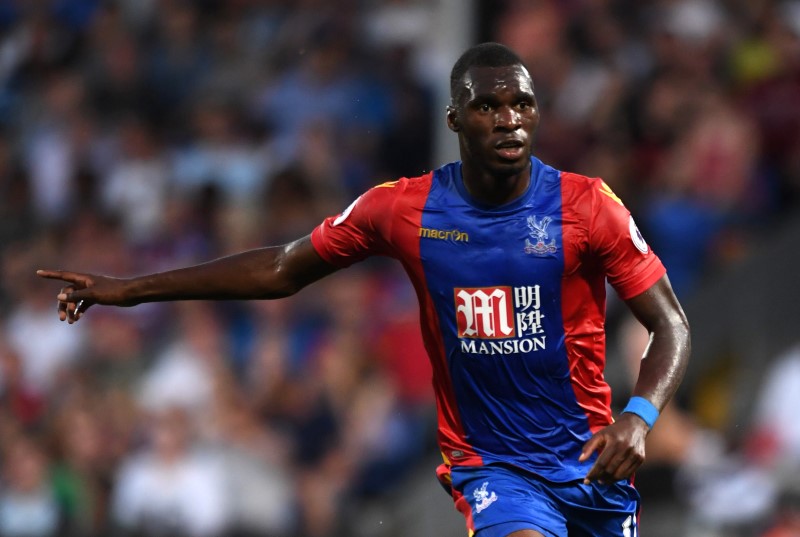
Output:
x=499 y=500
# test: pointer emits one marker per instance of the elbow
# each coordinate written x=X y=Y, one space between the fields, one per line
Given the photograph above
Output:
x=285 y=289
x=673 y=324
x=276 y=287
x=283 y=271
x=278 y=283
x=683 y=327
x=674 y=331
x=687 y=343
x=682 y=335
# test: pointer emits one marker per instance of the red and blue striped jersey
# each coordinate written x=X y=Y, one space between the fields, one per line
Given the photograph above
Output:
x=512 y=305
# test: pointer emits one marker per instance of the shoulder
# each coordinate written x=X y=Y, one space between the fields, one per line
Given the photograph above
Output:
x=403 y=191
x=407 y=185
x=572 y=186
x=581 y=193
x=576 y=186
x=377 y=208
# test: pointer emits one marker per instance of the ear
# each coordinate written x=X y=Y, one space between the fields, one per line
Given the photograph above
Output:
x=452 y=119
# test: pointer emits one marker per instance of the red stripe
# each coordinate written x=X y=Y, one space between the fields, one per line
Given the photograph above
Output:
x=405 y=236
x=583 y=304
x=463 y=506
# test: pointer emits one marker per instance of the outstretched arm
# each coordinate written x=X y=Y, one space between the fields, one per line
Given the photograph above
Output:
x=263 y=273
x=621 y=444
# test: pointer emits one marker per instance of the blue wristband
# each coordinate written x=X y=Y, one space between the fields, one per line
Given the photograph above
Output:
x=642 y=408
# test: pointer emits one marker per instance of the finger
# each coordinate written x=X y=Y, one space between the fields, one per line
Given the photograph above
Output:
x=75 y=310
x=626 y=470
x=57 y=274
x=614 y=462
x=593 y=475
x=71 y=306
x=81 y=308
x=596 y=472
x=72 y=295
x=630 y=465
x=64 y=293
x=595 y=443
x=599 y=472
x=76 y=305
x=63 y=304
x=81 y=280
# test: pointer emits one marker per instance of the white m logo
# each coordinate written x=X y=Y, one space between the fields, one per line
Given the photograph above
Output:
x=484 y=312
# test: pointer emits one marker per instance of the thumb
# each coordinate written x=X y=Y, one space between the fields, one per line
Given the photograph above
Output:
x=595 y=443
x=76 y=296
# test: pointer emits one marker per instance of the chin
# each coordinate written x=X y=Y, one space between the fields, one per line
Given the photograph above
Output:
x=511 y=168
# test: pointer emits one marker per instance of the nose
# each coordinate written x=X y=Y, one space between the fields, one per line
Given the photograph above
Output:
x=507 y=118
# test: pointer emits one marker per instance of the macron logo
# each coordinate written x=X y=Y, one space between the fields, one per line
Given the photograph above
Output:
x=443 y=235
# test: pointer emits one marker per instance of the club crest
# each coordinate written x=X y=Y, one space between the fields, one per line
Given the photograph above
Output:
x=483 y=497
x=538 y=232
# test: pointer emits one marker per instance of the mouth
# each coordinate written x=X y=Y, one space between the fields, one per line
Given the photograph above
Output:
x=510 y=149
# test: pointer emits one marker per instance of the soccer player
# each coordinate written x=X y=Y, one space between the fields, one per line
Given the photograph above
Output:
x=509 y=259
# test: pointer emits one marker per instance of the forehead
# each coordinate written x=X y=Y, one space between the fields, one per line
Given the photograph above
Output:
x=493 y=80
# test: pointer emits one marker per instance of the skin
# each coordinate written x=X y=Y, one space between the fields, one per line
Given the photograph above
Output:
x=495 y=116
x=497 y=105
x=263 y=273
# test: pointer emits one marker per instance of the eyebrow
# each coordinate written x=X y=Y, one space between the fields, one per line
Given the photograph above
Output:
x=492 y=96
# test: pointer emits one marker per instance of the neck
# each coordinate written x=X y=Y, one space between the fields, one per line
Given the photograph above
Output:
x=493 y=188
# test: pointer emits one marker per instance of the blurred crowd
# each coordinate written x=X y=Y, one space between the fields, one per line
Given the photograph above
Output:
x=687 y=108
x=143 y=135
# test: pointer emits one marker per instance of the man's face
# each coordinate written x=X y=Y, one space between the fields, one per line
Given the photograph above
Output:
x=495 y=116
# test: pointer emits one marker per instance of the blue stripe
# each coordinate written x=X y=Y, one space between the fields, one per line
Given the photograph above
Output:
x=512 y=389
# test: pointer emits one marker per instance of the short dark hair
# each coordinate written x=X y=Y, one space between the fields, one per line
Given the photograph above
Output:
x=483 y=55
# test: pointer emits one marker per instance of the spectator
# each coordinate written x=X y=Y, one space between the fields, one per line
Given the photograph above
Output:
x=172 y=487
x=27 y=505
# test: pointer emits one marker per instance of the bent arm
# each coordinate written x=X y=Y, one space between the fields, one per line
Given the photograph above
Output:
x=622 y=444
x=667 y=354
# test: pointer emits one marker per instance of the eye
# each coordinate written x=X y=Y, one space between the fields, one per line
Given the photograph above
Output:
x=484 y=107
x=524 y=105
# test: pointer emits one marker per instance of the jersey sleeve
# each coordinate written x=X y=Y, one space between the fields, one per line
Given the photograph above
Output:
x=361 y=230
x=629 y=263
